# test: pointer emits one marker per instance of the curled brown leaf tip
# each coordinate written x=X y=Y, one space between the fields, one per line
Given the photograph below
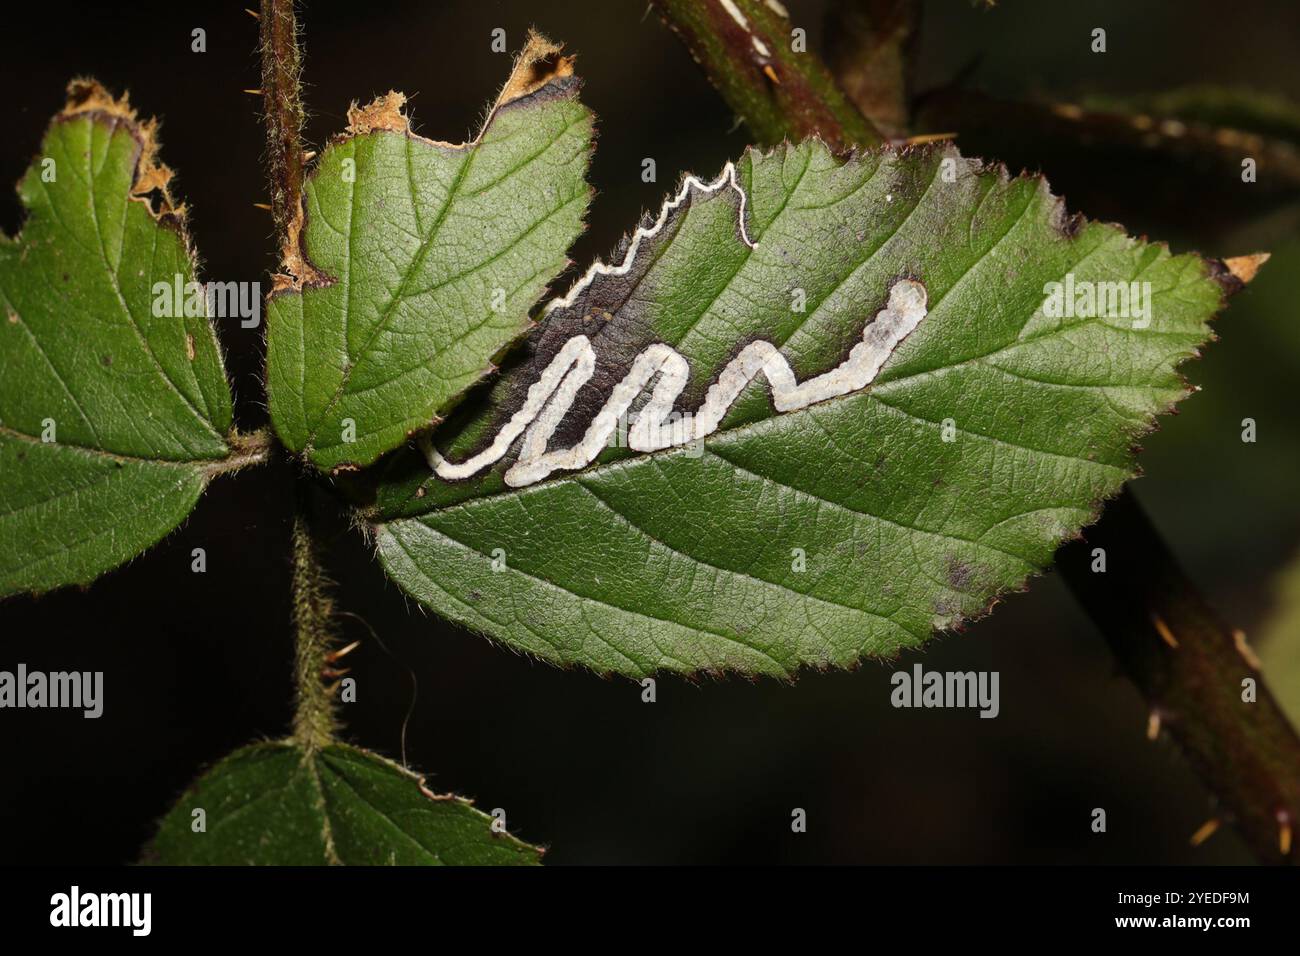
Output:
x=383 y=112
x=538 y=64
x=86 y=95
x=1244 y=268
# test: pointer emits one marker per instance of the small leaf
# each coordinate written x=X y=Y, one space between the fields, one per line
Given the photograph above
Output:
x=112 y=418
x=421 y=260
x=846 y=527
x=274 y=804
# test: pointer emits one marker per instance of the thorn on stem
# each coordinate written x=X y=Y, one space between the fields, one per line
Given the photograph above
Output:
x=333 y=656
x=926 y=138
x=1205 y=831
x=1245 y=650
x=1162 y=629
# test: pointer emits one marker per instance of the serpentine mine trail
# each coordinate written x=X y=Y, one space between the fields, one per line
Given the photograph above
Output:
x=551 y=397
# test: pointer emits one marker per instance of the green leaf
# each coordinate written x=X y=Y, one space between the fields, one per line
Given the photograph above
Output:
x=112 y=419
x=848 y=528
x=275 y=804
x=421 y=261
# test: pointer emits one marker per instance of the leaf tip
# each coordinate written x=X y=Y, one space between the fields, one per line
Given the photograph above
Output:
x=86 y=96
x=383 y=112
x=538 y=64
x=1245 y=268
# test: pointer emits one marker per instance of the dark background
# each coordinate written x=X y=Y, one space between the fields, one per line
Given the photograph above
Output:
x=196 y=665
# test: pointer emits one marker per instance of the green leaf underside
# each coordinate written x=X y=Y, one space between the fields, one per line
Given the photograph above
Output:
x=685 y=562
x=136 y=419
x=414 y=250
x=269 y=804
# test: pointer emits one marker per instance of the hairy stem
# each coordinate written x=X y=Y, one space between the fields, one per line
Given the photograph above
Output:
x=315 y=720
x=282 y=106
x=246 y=448
x=1190 y=666
x=751 y=53
x=1247 y=754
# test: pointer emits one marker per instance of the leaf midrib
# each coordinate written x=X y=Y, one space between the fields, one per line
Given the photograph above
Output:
x=192 y=464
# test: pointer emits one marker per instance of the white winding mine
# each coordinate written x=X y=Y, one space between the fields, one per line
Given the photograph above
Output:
x=726 y=179
x=551 y=397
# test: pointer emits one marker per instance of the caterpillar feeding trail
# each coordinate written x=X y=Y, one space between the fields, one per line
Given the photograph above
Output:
x=726 y=178
x=551 y=397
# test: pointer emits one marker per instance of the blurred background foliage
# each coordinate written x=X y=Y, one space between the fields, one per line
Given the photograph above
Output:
x=197 y=665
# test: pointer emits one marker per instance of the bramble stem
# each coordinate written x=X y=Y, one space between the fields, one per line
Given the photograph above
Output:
x=282 y=98
x=1190 y=666
x=246 y=448
x=752 y=55
x=315 y=720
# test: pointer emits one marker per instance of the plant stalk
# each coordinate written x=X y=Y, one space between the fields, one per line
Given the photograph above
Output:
x=315 y=719
x=753 y=55
x=1191 y=666
x=282 y=107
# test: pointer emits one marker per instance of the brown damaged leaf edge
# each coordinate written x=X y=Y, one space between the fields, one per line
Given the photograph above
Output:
x=539 y=70
x=88 y=98
x=1231 y=275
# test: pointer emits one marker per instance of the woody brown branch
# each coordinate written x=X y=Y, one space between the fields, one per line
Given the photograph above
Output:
x=1190 y=666
x=747 y=49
